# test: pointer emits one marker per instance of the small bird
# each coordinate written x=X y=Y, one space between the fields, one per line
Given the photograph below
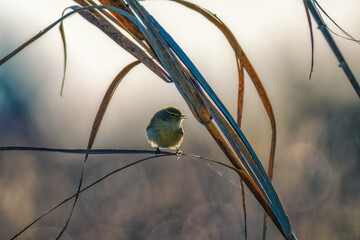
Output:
x=165 y=129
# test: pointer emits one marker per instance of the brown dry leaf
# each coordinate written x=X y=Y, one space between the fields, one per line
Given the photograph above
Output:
x=129 y=25
x=106 y=100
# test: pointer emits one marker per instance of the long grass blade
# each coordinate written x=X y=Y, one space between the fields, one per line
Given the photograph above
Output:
x=62 y=33
x=343 y=64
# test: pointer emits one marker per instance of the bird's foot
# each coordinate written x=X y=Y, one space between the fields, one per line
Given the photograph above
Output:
x=178 y=152
x=157 y=151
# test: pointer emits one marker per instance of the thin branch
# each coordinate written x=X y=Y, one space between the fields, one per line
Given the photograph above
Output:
x=81 y=151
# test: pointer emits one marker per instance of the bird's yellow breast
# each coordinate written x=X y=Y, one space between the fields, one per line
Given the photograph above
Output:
x=166 y=134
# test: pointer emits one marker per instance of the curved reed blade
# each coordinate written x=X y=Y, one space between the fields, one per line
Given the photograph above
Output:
x=241 y=89
x=62 y=33
x=106 y=100
x=266 y=102
x=312 y=38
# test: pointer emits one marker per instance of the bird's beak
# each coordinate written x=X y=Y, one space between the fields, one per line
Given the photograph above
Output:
x=183 y=117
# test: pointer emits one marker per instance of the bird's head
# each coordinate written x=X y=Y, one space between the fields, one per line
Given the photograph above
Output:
x=171 y=114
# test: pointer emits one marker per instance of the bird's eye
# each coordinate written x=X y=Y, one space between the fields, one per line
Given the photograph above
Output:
x=172 y=114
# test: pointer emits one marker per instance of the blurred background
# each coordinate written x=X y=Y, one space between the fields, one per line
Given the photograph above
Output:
x=318 y=121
